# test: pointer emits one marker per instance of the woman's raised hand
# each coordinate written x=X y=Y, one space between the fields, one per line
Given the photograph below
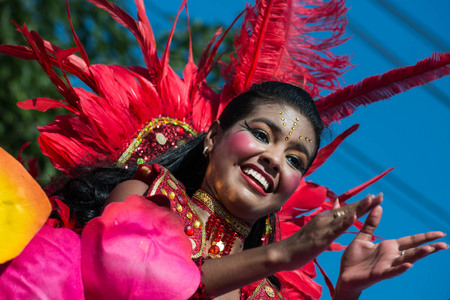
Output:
x=365 y=263
x=317 y=235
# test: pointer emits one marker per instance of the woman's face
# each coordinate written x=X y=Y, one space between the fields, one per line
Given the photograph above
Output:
x=257 y=164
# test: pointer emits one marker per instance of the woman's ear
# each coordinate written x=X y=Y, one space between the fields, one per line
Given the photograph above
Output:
x=212 y=137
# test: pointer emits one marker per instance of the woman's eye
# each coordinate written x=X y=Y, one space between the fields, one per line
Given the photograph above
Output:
x=296 y=162
x=260 y=135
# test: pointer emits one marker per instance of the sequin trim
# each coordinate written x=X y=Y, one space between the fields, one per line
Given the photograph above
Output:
x=154 y=123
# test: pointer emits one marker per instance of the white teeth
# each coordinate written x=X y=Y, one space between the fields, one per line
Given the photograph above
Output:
x=258 y=177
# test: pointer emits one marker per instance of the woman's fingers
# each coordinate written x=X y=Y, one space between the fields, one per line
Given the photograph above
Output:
x=414 y=254
x=371 y=223
x=336 y=204
x=395 y=271
x=416 y=240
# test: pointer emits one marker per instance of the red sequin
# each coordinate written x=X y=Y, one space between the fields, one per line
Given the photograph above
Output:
x=189 y=230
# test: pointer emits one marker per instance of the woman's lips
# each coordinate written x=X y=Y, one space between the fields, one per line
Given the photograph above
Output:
x=254 y=175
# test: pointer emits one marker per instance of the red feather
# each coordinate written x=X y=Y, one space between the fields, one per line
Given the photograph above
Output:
x=42 y=104
x=75 y=37
x=344 y=102
x=350 y=193
x=275 y=43
x=141 y=29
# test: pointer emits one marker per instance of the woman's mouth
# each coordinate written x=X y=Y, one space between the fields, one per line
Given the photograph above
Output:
x=258 y=178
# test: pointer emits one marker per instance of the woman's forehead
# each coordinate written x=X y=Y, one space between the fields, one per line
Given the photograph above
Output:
x=275 y=109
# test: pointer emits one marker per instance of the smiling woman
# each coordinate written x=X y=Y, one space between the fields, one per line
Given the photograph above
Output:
x=255 y=163
x=176 y=214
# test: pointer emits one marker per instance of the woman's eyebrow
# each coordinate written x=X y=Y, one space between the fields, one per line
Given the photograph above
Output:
x=277 y=130
x=274 y=127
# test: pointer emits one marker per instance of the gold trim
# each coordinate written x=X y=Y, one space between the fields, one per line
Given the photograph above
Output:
x=266 y=283
x=202 y=247
x=235 y=223
x=158 y=182
x=154 y=123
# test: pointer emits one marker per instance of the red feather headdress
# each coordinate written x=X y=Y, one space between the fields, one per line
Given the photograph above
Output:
x=126 y=107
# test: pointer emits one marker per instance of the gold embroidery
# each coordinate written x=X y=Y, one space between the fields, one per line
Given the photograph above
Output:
x=158 y=182
x=172 y=184
x=202 y=247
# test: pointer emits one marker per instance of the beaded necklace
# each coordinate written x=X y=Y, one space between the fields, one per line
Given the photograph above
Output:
x=222 y=226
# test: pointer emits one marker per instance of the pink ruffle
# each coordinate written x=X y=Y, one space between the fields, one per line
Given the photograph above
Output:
x=137 y=250
x=48 y=268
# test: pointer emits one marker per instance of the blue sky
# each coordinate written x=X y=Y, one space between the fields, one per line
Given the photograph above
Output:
x=409 y=132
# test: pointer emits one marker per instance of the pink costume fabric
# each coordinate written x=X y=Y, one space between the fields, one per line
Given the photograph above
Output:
x=48 y=268
x=135 y=250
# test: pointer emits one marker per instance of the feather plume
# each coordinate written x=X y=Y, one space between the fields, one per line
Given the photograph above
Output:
x=276 y=42
x=141 y=29
x=350 y=193
x=344 y=102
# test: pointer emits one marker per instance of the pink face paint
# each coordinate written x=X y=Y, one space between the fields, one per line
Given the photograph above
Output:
x=242 y=143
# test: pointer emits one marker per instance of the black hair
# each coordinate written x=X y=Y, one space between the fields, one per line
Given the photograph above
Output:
x=86 y=195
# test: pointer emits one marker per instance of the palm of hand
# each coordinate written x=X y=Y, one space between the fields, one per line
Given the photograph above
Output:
x=365 y=263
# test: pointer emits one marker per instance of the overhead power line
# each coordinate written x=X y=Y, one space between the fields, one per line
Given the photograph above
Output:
x=355 y=27
x=392 y=194
x=415 y=25
x=396 y=182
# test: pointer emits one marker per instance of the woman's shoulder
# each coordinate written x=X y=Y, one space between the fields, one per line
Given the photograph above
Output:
x=147 y=181
x=125 y=189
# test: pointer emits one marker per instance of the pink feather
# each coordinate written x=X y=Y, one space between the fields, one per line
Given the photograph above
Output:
x=344 y=102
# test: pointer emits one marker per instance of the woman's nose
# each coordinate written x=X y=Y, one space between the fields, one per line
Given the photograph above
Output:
x=271 y=161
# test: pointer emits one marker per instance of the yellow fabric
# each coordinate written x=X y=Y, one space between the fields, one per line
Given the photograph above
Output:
x=24 y=207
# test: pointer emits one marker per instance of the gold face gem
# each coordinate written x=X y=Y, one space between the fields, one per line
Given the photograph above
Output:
x=179 y=208
x=189 y=215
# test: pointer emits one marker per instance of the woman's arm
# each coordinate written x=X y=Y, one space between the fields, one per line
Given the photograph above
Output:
x=234 y=271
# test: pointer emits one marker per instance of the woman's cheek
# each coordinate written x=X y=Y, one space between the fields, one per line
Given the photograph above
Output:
x=291 y=182
x=242 y=144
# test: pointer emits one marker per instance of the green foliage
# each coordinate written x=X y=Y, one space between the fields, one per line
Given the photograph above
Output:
x=104 y=39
